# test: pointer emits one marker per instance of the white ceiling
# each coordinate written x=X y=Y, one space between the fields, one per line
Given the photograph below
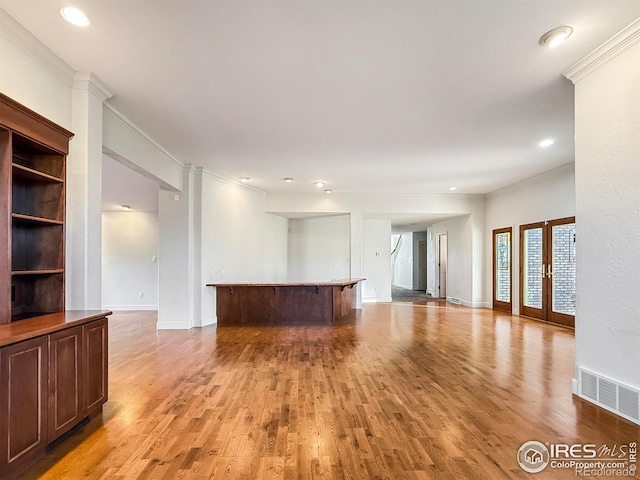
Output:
x=391 y=96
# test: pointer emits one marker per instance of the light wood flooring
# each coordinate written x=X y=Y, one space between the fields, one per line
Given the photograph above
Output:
x=397 y=391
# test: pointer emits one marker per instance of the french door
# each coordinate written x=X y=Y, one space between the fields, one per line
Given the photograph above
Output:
x=548 y=270
x=502 y=251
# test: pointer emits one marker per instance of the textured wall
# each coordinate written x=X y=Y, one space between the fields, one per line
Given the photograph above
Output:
x=607 y=216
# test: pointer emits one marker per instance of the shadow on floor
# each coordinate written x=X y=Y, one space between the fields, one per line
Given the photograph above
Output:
x=404 y=295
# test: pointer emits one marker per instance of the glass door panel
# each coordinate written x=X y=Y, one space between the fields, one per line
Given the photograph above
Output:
x=562 y=274
x=531 y=265
x=502 y=269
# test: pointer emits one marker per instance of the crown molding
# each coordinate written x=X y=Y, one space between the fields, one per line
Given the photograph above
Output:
x=208 y=173
x=25 y=41
x=89 y=81
x=110 y=109
x=605 y=52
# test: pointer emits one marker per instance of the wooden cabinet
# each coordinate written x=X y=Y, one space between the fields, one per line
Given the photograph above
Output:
x=66 y=362
x=53 y=363
x=49 y=383
x=32 y=210
x=96 y=356
x=23 y=403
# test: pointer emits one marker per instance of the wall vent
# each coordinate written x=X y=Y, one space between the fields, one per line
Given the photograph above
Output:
x=609 y=394
x=454 y=300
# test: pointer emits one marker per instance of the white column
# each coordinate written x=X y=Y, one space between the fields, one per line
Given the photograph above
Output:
x=355 y=259
x=179 y=240
x=84 y=194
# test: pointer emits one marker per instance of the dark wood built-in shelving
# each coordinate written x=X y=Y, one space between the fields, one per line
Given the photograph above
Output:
x=53 y=363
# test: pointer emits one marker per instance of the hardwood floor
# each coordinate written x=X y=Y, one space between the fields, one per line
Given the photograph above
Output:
x=397 y=391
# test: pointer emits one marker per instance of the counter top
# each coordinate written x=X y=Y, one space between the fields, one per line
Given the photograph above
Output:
x=20 y=330
x=338 y=283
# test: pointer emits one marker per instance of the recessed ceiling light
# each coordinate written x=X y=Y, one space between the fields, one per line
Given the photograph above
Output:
x=75 y=16
x=126 y=207
x=327 y=190
x=288 y=179
x=547 y=142
x=555 y=37
x=453 y=188
x=244 y=179
x=319 y=184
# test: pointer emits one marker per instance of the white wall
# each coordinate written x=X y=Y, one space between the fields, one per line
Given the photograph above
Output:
x=376 y=260
x=32 y=75
x=545 y=197
x=240 y=242
x=318 y=248
x=129 y=260
x=402 y=275
x=460 y=237
x=608 y=212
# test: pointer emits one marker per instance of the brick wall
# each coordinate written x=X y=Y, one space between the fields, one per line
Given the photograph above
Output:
x=533 y=268
x=564 y=269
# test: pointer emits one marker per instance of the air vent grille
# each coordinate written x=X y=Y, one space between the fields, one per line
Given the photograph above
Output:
x=629 y=402
x=590 y=386
x=611 y=395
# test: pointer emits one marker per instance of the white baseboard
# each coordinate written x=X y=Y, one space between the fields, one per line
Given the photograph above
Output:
x=476 y=304
x=401 y=285
x=172 y=326
x=209 y=321
x=376 y=299
x=117 y=308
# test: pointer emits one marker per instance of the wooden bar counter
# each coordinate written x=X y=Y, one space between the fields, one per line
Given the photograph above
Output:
x=280 y=303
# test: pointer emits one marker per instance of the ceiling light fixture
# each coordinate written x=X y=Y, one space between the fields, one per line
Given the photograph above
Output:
x=244 y=179
x=75 y=16
x=453 y=188
x=547 y=142
x=327 y=190
x=126 y=207
x=319 y=184
x=555 y=37
x=288 y=179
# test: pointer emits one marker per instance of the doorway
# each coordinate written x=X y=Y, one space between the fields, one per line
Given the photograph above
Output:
x=442 y=265
x=502 y=253
x=548 y=271
x=422 y=266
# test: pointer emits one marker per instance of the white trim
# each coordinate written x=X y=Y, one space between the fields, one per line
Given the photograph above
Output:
x=605 y=52
x=89 y=81
x=130 y=307
x=209 y=321
x=236 y=183
x=23 y=39
x=110 y=109
x=536 y=178
x=575 y=386
x=465 y=303
x=172 y=326
x=402 y=285
x=376 y=299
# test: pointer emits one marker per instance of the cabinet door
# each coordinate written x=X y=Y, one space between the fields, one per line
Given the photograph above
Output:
x=66 y=407
x=96 y=362
x=23 y=407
